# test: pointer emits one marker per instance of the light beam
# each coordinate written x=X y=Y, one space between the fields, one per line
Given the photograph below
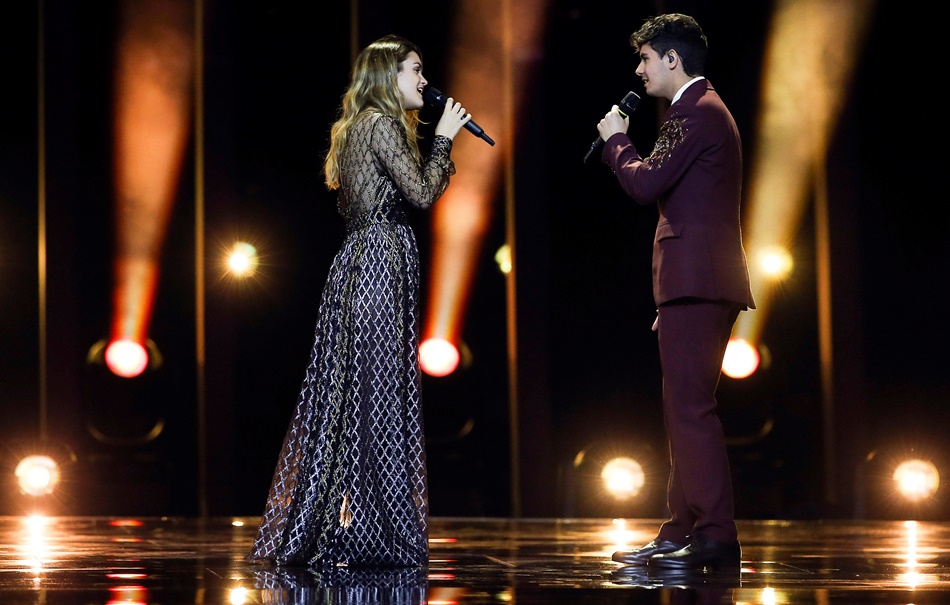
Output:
x=806 y=74
x=152 y=103
x=463 y=215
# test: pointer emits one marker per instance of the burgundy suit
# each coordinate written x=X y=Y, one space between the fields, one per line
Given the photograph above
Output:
x=700 y=284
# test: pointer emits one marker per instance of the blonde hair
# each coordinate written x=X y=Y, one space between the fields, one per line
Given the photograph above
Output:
x=373 y=85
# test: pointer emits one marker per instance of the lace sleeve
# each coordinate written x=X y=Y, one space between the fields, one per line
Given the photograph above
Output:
x=421 y=186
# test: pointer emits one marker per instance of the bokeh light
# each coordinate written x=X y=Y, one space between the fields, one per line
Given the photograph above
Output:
x=242 y=259
x=503 y=259
x=438 y=357
x=623 y=477
x=126 y=358
x=775 y=262
x=741 y=359
x=916 y=479
x=37 y=475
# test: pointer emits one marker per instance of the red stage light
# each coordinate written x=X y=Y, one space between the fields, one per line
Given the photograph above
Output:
x=126 y=358
x=438 y=357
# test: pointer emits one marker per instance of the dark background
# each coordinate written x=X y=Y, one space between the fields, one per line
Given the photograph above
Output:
x=588 y=369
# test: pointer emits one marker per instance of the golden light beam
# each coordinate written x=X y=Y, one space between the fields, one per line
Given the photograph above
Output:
x=152 y=108
x=463 y=215
x=806 y=74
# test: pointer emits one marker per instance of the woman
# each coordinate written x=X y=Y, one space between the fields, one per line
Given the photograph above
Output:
x=350 y=487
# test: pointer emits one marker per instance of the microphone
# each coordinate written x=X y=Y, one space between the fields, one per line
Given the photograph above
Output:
x=625 y=108
x=434 y=97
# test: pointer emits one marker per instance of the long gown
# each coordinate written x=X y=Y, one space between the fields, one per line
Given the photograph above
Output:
x=350 y=487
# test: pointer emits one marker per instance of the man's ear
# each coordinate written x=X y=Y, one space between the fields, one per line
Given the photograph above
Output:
x=672 y=59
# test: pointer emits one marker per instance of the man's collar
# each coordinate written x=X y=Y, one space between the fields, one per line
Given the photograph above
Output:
x=679 y=92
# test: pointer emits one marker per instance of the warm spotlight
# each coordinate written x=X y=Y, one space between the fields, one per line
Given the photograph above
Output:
x=438 y=357
x=37 y=475
x=623 y=477
x=239 y=596
x=242 y=259
x=503 y=258
x=616 y=476
x=775 y=262
x=488 y=77
x=916 y=480
x=741 y=359
x=807 y=66
x=126 y=358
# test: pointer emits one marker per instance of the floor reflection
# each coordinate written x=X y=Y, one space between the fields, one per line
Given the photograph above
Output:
x=473 y=561
x=685 y=587
x=279 y=586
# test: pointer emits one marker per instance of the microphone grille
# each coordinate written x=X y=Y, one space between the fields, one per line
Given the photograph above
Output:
x=629 y=103
x=433 y=96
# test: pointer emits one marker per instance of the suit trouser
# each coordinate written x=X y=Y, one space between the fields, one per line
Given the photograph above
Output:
x=692 y=340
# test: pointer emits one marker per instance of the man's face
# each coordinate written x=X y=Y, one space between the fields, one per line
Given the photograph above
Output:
x=656 y=73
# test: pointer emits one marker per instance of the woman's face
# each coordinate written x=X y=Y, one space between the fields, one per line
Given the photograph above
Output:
x=411 y=82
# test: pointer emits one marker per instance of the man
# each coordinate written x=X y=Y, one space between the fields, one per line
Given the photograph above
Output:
x=700 y=282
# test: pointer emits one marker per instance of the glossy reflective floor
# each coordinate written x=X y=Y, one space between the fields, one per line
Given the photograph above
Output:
x=94 y=560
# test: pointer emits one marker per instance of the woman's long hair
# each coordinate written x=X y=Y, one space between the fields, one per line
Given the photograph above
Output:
x=373 y=85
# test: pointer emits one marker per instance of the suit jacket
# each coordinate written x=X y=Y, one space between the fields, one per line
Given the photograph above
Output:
x=694 y=175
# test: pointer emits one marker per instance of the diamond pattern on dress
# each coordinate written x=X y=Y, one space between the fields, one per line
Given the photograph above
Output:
x=350 y=486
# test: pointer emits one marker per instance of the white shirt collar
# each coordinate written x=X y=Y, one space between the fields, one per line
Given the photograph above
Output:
x=679 y=92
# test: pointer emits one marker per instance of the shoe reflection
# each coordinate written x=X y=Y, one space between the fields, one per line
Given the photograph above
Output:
x=685 y=587
x=301 y=586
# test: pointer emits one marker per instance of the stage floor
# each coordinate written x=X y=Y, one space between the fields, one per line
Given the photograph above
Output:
x=169 y=561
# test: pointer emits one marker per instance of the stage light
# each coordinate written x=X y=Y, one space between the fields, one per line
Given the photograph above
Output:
x=623 y=477
x=775 y=262
x=503 y=258
x=238 y=596
x=126 y=358
x=242 y=259
x=903 y=480
x=741 y=359
x=37 y=475
x=34 y=475
x=438 y=357
x=614 y=477
x=506 y=43
x=916 y=480
x=800 y=105
x=151 y=113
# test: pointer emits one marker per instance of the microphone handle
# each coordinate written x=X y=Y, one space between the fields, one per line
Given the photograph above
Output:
x=594 y=151
x=475 y=129
x=626 y=107
x=433 y=96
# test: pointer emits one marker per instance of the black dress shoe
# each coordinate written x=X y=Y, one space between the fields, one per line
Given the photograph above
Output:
x=641 y=555
x=701 y=553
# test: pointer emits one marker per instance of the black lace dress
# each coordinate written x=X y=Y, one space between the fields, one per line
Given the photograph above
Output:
x=350 y=487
